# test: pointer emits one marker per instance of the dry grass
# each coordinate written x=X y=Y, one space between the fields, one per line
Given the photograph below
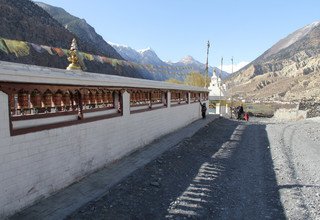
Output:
x=265 y=109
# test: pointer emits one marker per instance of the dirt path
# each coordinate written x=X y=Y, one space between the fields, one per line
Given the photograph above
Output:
x=228 y=170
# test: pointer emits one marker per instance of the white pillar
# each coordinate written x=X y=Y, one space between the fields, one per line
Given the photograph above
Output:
x=218 y=108
x=4 y=115
x=125 y=103
x=169 y=99
x=189 y=97
x=207 y=104
x=164 y=100
x=116 y=100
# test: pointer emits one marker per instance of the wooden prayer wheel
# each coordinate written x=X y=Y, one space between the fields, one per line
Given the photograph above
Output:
x=23 y=100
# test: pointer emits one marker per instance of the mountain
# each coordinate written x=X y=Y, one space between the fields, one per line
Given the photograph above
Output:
x=288 y=71
x=81 y=29
x=189 y=60
x=149 y=56
x=167 y=69
x=281 y=48
x=200 y=67
x=144 y=56
x=127 y=52
x=23 y=20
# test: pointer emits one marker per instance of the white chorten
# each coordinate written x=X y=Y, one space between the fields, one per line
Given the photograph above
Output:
x=217 y=89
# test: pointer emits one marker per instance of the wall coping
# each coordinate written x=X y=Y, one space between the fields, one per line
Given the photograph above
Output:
x=23 y=73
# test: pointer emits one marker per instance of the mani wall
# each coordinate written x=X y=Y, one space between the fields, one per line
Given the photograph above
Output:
x=57 y=126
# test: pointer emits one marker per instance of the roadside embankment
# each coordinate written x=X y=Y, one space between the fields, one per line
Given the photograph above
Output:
x=312 y=107
x=305 y=109
x=290 y=114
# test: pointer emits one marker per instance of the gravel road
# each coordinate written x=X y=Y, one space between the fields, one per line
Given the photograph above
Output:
x=296 y=156
x=227 y=170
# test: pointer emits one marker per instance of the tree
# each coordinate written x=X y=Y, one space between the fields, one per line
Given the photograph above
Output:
x=173 y=80
x=196 y=79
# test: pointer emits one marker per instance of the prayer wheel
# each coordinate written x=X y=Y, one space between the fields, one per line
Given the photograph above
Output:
x=66 y=100
x=57 y=99
x=23 y=100
x=85 y=99
x=47 y=99
x=92 y=97
x=36 y=99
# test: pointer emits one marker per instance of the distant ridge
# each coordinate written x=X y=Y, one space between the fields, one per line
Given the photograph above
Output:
x=149 y=56
x=289 y=70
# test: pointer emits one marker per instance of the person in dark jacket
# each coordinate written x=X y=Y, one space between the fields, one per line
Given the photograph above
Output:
x=203 y=109
x=240 y=111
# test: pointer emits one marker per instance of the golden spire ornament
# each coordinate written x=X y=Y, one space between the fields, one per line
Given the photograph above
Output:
x=73 y=57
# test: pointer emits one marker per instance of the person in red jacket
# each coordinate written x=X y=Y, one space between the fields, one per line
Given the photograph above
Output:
x=246 y=116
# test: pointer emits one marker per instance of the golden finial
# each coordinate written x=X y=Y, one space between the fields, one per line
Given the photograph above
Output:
x=73 y=57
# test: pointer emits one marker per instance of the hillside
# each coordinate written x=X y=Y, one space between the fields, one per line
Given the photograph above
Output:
x=288 y=71
x=23 y=20
x=80 y=28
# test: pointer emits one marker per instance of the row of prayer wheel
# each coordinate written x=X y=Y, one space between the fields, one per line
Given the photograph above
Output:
x=140 y=96
x=146 y=96
x=195 y=96
x=24 y=100
x=179 y=95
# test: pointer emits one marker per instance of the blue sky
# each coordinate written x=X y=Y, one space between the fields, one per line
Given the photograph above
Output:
x=243 y=29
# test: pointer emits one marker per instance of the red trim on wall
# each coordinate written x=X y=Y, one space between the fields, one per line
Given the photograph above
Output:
x=62 y=124
x=146 y=109
x=44 y=115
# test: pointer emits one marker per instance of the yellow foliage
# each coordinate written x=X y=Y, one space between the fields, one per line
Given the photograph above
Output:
x=196 y=79
x=175 y=81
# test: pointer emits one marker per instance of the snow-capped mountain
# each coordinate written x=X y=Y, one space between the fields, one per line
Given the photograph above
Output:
x=149 y=56
x=127 y=52
x=200 y=67
x=144 y=56
x=189 y=60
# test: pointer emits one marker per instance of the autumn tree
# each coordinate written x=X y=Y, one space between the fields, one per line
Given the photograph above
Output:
x=173 y=80
x=196 y=79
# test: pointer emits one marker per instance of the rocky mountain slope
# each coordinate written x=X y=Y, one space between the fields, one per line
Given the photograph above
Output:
x=289 y=70
x=81 y=29
x=25 y=21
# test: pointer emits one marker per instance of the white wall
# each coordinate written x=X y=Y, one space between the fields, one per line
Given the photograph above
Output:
x=37 y=164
